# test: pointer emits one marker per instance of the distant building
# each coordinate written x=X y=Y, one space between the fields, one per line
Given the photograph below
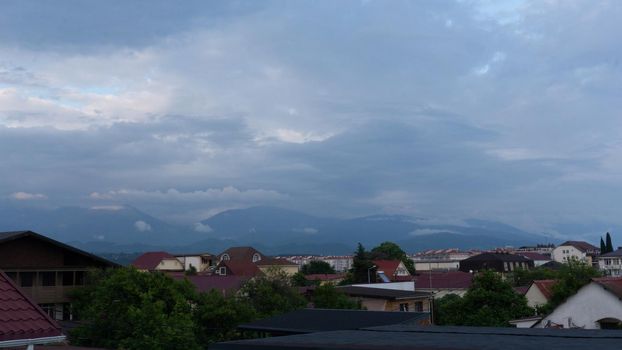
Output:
x=439 y=260
x=538 y=258
x=544 y=249
x=158 y=261
x=442 y=283
x=394 y=270
x=341 y=263
x=578 y=250
x=597 y=305
x=200 y=261
x=499 y=262
x=400 y=296
x=46 y=270
x=611 y=263
x=539 y=292
x=248 y=261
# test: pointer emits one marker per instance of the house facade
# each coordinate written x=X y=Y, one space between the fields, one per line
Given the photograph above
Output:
x=158 y=261
x=598 y=305
x=394 y=270
x=539 y=292
x=202 y=262
x=440 y=259
x=47 y=271
x=384 y=299
x=249 y=261
x=611 y=263
x=578 y=250
x=499 y=262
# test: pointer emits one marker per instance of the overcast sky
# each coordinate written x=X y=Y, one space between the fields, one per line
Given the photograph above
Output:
x=433 y=108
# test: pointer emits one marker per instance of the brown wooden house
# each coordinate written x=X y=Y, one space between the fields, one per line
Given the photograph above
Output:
x=46 y=270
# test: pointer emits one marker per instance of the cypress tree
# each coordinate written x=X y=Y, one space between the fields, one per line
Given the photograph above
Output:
x=609 y=244
x=603 y=247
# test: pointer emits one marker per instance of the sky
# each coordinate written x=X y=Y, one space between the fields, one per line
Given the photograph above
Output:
x=455 y=109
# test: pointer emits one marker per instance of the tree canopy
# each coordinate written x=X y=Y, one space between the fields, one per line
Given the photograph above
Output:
x=489 y=302
x=317 y=267
x=570 y=278
x=272 y=293
x=392 y=251
x=329 y=297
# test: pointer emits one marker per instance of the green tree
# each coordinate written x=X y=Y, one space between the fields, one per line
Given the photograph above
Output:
x=392 y=251
x=571 y=277
x=272 y=293
x=329 y=297
x=127 y=309
x=524 y=277
x=608 y=243
x=299 y=280
x=192 y=271
x=217 y=317
x=317 y=267
x=489 y=302
x=603 y=247
x=362 y=267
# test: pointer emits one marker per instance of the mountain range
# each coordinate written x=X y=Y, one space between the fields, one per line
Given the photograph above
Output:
x=272 y=230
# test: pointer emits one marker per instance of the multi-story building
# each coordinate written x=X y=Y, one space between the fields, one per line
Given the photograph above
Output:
x=439 y=260
x=611 y=263
x=46 y=270
x=341 y=263
x=578 y=250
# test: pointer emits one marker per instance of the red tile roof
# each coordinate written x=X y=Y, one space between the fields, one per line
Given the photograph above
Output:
x=612 y=284
x=20 y=317
x=581 y=245
x=443 y=280
x=223 y=284
x=388 y=266
x=241 y=254
x=522 y=290
x=545 y=287
x=150 y=260
x=239 y=268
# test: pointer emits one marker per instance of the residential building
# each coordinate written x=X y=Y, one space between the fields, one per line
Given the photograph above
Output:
x=440 y=259
x=538 y=258
x=611 y=263
x=306 y=321
x=544 y=249
x=441 y=283
x=22 y=322
x=375 y=298
x=158 y=261
x=341 y=263
x=202 y=262
x=597 y=305
x=578 y=250
x=47 y=271
x=539 y=292
x=248 y=260
x=226 y=285
x=499 y=262
x=394 y=270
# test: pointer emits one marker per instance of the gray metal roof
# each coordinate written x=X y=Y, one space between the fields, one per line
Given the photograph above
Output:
x=317 y=320
x=381 y=293
x=438 y=338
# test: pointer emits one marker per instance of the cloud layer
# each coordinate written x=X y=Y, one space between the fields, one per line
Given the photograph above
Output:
x=454 y=108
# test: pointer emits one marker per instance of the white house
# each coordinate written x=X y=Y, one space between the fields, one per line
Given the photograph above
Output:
x=201 y=262
x=539 y=292
x=611 y=263
x=595 y=306
x=578 y=250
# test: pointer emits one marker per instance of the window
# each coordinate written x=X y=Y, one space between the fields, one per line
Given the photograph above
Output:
x=222 y=271
x=256 y=257
x=79 y=278
x=27 y=278
x=12 y=275
x=67 y=277
x=48 y=278
x=404 y=307
x=225 y=257
x=419 y=306
x=49 y=309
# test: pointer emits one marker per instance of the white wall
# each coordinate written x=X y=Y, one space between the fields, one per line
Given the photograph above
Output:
x=564 y=252
x=534 y=296
x=590 y=304
x=409 y=286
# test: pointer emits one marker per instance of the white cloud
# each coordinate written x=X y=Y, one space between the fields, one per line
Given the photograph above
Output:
x=142 y=226
x=228 y=193
x=25 y=196
x=203 y=228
